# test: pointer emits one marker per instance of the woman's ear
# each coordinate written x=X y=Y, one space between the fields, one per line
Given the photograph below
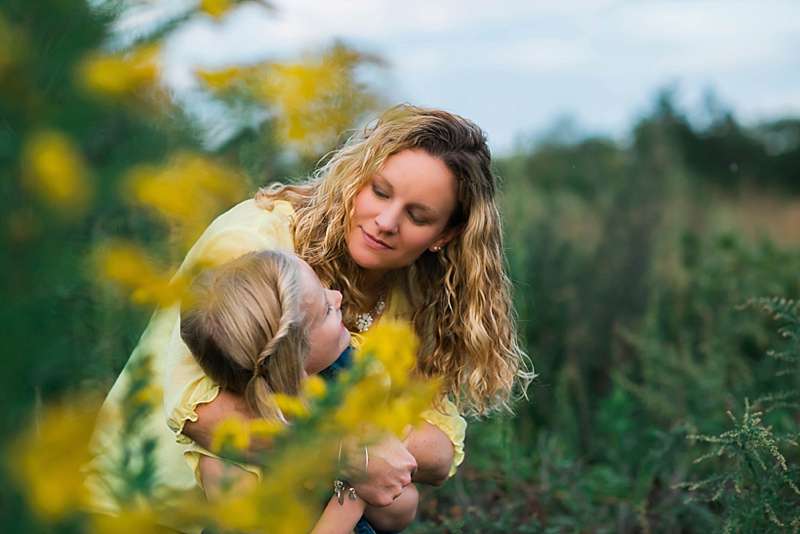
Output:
x=447 y=235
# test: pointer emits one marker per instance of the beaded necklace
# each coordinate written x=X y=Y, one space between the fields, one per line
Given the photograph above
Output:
x=364 y=320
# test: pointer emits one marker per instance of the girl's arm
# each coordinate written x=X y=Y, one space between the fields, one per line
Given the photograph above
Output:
x=340 y=518
x=218 y=476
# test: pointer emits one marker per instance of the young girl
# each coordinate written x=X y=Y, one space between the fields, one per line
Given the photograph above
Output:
x=259 y=325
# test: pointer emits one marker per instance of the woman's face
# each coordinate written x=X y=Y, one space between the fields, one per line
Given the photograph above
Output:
x=321 y=307
x=402 y=211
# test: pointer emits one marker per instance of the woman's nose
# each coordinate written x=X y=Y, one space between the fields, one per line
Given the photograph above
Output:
x=386 y=221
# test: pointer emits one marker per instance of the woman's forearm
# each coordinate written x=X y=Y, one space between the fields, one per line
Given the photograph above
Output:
x=433 y=451
x=398 y=515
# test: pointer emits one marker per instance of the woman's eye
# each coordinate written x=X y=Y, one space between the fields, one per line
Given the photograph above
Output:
x=415 y=219
x=379 y=193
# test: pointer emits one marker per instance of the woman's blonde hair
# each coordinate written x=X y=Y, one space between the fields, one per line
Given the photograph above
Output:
x=460 y=297
x=245 y=328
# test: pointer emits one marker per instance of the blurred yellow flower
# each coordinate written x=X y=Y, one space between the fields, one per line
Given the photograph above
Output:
x=188 y=191
x=221 y=80
x=216 y=8
x=122 y=73
x=314 y=387
x=129 y=267
x=290 y=406
x=232 y=432
x=48 y=457
x=394 y=345
x=265 y=428
x=54 y=169
x=130 y=520
x=361 y=402
x=314 y=99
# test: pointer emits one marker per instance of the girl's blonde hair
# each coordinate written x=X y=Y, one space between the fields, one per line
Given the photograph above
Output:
x=460 y=297
x=245 y=328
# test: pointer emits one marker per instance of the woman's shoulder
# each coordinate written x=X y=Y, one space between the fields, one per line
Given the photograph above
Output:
x=253 y=214
x=245 y=227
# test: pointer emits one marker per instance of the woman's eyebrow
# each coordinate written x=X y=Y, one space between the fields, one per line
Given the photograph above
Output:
x=384 y=181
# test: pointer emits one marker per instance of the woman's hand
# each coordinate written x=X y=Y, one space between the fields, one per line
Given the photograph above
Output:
x=388 y=473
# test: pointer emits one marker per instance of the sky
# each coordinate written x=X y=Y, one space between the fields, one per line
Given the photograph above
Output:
x=517 y=67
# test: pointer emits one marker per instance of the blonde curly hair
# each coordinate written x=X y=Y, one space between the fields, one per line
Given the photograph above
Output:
x=460 y=297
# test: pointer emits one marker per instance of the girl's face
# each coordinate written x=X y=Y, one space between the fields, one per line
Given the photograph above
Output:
x=402 y=211
x=321 y=307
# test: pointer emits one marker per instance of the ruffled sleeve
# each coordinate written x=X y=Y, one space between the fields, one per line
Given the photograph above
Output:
x=454 y=426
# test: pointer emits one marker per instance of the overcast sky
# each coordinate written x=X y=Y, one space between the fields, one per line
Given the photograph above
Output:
x=515 y=66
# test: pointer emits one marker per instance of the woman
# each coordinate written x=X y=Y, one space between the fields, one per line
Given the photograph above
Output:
x=402 y=221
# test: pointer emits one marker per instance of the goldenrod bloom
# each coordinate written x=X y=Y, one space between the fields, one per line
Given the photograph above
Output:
x=188 y=191
x=314 y=387
x=232 y=432
x=394 y=344
x=48 y=457
x=216 y=8
x=129 y=267
x=121 y=74
x=131 y=520
x=290 y=406
x=265 y=429
x=55 y=170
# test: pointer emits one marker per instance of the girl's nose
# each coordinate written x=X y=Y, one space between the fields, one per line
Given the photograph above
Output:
x=336 y=297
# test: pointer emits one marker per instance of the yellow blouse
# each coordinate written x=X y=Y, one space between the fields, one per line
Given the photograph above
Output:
x=242 y=229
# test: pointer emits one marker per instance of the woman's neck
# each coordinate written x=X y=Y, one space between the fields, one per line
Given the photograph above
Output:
x=374 y=285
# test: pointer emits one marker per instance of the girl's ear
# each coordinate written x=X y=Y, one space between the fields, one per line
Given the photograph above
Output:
x=447 y=235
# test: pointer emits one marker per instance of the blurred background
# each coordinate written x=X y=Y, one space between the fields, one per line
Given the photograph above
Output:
x=650 y=163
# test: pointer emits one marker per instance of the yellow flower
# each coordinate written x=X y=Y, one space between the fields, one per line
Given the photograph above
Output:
x=221 y=80
x=131 y=520
x=216 y=8
x=129 y=267
x=233 y=432
x=361 y=402
x=314 y=387
x=188 y=191
x=55 y=170
x=394 y=345
x=120 y=74
x=290 y=406
x=48 y=457
x=265 y=428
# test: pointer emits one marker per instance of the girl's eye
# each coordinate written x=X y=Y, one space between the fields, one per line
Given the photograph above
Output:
x=329 y=310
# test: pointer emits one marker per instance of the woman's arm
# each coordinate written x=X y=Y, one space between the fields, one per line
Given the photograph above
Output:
x=398 y=515
x=433 y=451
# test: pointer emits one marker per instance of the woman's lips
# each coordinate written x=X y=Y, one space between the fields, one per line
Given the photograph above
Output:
x=374 y=243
